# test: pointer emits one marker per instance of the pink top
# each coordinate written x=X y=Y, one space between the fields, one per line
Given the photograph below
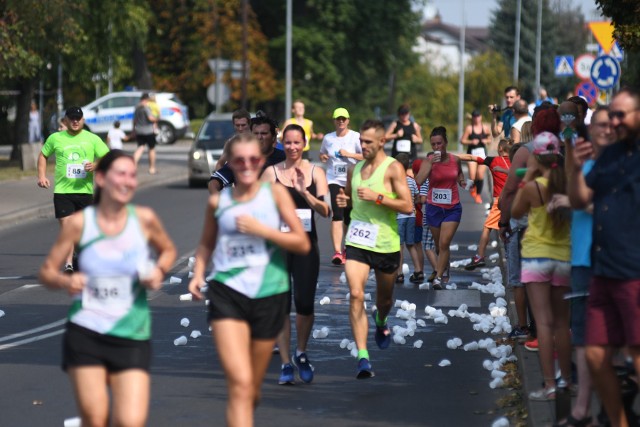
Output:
x=443 y=183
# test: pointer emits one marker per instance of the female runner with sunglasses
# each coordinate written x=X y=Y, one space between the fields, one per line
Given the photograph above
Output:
x=248 y=287
x=307 y=185
x=106 y=345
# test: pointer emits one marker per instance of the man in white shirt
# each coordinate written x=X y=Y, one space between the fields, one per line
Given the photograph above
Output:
x=521 y=113
x=115 y=136
x=340 y=150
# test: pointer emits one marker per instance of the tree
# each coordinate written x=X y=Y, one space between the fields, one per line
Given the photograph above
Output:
x=625 y=15
x=563 y=33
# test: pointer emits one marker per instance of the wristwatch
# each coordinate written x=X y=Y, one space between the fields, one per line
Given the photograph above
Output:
x=379 y=199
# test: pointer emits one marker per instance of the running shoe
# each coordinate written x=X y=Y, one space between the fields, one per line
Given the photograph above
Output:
x=400 y=278
x=337 y=259
x=519 y=333
x=543 y=395
x=68 y=269
x=431 y=276
x=478 y=199
x=417 y=277
x=276 y=349
x=477 y=261
x=437 y=284
x=286 y=375
x=305 y=369
x=383 y=334
x=364 y=369
x=531 y=345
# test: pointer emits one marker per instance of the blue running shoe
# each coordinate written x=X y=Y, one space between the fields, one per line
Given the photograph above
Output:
x=383 y=334
x=305 y=369
x=286 y=375
x=364 y=369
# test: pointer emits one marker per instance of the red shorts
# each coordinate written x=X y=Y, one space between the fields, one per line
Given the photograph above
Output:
x=613 y=312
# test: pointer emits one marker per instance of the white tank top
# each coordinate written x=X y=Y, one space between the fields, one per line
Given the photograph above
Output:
x=113 y=303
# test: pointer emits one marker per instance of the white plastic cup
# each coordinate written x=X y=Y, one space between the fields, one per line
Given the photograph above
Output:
x=181 y=340
x=175 y=280
x=195 y=334
x=186 y=297
x=184 y=322
x=437 y=156
x=191 y=263
x=73 y=422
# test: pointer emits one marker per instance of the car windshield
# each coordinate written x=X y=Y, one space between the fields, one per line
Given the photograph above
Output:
x=214 y=134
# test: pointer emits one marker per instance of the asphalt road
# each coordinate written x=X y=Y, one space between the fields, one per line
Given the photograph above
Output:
x=188 y=387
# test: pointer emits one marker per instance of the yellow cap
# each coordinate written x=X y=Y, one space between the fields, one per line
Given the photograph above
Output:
x=340 y=112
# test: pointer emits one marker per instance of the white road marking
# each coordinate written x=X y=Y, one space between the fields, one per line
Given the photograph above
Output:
x=11 y=277
x=30 y=340
x=34 y=330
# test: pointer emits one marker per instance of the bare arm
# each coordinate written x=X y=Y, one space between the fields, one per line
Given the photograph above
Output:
x=43 y=181
x=161 y=242
x=496 y=125
x=345 y=153
x=511 y=185
x=322 y=190
x=416 y=138
x=465 y=136
x=580 y=195
x=50 y=274
x=205 y=247
x=391 y=132
x=397 y=178
x=515 y=135
x=522 y=201
x=425 y=170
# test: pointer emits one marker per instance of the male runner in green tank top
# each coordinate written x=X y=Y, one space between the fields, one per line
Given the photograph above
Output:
x=377 y=189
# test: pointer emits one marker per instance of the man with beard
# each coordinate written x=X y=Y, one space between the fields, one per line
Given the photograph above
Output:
x=613 y=306
x=377 y=190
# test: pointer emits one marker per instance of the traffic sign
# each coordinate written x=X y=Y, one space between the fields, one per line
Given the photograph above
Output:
x=564 y=65
x=588 y=90
x=616 y=52
x=583 y=65
x=605 y=72
x=603 y=32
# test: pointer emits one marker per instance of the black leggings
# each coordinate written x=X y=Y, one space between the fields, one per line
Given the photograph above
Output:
x=304 y=271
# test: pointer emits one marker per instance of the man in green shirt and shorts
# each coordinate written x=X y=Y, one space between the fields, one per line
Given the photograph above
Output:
x=76 y=151
x=377 y=189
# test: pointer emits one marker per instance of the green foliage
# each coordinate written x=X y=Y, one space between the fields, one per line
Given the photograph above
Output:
x=486 y=77
x=625 y=15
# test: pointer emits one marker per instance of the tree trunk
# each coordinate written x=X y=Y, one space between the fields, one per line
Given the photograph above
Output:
x=141 y=74
x=27 y=88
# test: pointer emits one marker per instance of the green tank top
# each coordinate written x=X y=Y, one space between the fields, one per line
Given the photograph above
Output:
x=373 y=227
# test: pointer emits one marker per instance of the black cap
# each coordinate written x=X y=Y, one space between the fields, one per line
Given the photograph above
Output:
x=74 y=113
x=475 y=113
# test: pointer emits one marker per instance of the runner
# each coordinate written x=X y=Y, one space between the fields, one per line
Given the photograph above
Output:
x=407 y=227
x=405 y=133
x=339 y=150
x=298 y=118
x=499 y=167
x=76 y=152
x=613 y=308
x=307 y=186
x=546 y=251
x=106 y=345
x=377 y=189
x=248 y=286
x=443 y=209
x=476 y=136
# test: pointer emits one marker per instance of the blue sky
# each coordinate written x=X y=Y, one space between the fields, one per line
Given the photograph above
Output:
x=478 y=12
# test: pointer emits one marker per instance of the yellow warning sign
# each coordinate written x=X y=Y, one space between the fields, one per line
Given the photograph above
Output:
x=603 y=32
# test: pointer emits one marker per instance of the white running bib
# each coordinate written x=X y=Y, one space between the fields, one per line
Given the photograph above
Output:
x=108 y=294
x=76 y=171
x=478 y=152
x=403 y=146
x=241 y=250
x=363 y=233
x=339 y=169
x=305 y=218
x=441 y=196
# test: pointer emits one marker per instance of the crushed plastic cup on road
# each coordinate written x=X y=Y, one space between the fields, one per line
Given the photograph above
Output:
x=191 y=263
x=190 y=274
x=494 y=243
x=344 y=343
x=325 y=300
x=472 y=247
x=417 y=344
x=186 y=297
x=1 y=313
x=184 y=322
x=195 y=334
x=454 y=247
x=181 y=340
x=501 y=422
x=343 y=277
x=354 y=352
x=494 y=256
x=405 y=269
x=73 y=422
x=444 y=362
x=424 y=286
x=367 y=297
x=173 y=280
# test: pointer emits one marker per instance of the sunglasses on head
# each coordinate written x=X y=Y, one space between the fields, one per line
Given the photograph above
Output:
x=253 y=161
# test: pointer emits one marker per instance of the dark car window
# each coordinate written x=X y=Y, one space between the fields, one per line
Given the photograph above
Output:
x=213 y=134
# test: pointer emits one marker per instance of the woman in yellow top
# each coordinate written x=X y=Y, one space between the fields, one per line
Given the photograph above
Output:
x=546 y=254
x=298 y=119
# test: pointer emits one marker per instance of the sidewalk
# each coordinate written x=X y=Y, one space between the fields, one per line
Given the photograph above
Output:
x=22 y=199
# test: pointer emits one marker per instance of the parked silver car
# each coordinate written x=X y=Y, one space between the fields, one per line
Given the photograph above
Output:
x=207 y=147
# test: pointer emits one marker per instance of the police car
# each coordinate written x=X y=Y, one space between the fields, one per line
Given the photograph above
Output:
x=101 y=113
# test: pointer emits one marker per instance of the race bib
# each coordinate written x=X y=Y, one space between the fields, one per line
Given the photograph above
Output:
x=478 y=152
x=240 y=251
x=76 y=171
x=403 y=146
x=108 y=294
x=339 y=169
x=305 y=218
x=363 y=233
x=441 y=196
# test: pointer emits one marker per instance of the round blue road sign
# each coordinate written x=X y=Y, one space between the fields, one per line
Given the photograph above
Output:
x=605 y=72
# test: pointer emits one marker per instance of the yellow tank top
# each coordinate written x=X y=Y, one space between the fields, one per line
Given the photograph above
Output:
x=307 y=130
x=541 y=240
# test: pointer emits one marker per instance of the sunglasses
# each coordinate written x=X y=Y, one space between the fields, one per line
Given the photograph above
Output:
x=239 y=162
x=620 y=115
x=341 y=119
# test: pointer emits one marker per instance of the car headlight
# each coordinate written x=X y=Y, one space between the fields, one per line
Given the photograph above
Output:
x=198 y=154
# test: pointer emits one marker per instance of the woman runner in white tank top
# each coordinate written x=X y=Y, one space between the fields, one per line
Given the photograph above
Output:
x=106 y=345
x=249 y=284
